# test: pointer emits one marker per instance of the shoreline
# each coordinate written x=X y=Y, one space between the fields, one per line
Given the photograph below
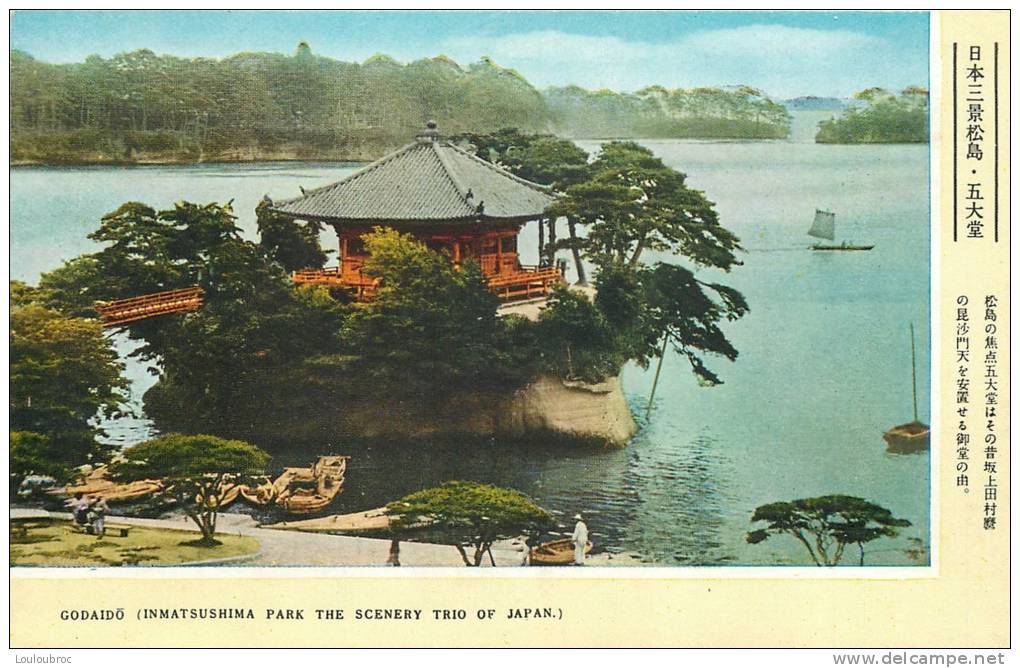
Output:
x=299 y=549
x=366 y=158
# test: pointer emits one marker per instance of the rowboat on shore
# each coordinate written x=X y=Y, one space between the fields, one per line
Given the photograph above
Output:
x=225 y=495
x=259 y=494
x=97 y=484
x=306 y=490
x=556 y=553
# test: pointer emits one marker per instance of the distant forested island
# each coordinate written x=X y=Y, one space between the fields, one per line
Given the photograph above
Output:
x=815 y=103
x=878 y=116
x=140 y=107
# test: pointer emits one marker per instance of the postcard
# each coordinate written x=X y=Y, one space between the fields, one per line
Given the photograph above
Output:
x=509 y=329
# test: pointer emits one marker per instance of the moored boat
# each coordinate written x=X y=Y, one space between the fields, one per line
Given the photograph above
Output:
x=260 y=493
x=908 y=438
x=556 y=553
x=306 y=490
x=912 y=436
x=226 y=494
x=97 y=484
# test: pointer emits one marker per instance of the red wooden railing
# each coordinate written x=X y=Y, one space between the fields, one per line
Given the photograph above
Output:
x=511 y=284
x=123 y=311
x=525 y=283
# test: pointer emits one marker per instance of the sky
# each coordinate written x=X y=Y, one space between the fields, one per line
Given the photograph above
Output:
x=787 y=54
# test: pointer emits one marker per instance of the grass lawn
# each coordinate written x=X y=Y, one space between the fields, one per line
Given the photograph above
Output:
x=50 y=542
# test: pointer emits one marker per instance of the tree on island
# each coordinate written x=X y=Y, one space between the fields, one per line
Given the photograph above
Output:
x=825 y=525
x=632 y=203
x=197 y=471
x=471 y=514
x=63 y=374
x=292 y=244
x=880 y=117
x=254 y=325
x=430 y=328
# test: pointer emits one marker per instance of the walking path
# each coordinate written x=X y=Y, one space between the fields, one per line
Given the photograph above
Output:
x=295 y=548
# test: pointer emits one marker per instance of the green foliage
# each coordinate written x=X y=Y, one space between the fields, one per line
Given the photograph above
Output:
x=195 y=470
x=432 y=327
x=543 y=159
x=292 y=244
x=471 y=514
x=884 y=118
x=253 y=323
x=576 y=339
x=825 y=525
x=688 y=312
x=655 y=111
x=633 y=202
x=32 y=453
x=63 y=373
x=141 y=106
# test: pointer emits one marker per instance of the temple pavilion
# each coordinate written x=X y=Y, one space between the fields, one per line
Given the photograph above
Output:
x=445 y=196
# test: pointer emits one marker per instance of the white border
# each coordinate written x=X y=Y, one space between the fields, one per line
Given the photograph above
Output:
x=615 y=572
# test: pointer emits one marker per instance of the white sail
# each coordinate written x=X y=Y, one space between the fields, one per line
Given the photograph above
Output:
x=824 y=226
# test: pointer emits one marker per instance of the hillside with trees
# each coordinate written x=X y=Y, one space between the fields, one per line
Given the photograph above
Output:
x=140 y=107
x=880 y=117
x=740 y=112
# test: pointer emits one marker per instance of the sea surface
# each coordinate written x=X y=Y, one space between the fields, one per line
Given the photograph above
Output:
x=823 y=371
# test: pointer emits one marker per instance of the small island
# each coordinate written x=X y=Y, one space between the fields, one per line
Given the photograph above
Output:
x=880 y=117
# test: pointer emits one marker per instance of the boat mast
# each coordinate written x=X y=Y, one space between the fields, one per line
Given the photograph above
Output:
x=913 y=368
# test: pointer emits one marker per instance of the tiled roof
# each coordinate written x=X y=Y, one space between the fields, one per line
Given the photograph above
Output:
x=430 y=180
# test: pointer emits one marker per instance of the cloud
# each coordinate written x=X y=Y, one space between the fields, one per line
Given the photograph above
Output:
x=761 y=39
x=782 y=59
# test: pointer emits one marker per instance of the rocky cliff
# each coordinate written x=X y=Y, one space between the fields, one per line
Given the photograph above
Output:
x=549 y=405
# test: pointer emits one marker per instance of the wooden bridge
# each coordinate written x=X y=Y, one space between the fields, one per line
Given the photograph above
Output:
x=123 y=311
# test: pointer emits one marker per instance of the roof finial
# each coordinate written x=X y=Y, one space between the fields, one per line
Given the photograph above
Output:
x=430 y=133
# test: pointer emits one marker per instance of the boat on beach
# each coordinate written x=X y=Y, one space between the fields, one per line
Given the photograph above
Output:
x=97 y=484
x=306 y=490
x=259 y=494
x=226 y=494
x=556 y=553
x=824 y=227
x=913 y=436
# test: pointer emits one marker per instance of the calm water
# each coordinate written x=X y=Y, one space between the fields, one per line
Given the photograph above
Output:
x=824 y=363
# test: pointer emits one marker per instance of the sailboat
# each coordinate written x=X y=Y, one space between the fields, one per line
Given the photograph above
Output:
x=824 y=227
x=913 y=436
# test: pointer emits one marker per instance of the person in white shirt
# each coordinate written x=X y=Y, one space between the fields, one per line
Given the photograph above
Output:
x=580 y=538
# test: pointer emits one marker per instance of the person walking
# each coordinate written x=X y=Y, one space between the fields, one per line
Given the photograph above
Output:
x=394 y=558
x=580 y=538
x=526 y=552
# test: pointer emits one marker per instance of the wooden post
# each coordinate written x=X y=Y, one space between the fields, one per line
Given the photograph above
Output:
x=542 y=242
x=913 y=368
x=499 y=255
x=456 y=253
x=552 y=241
x=655 y=383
